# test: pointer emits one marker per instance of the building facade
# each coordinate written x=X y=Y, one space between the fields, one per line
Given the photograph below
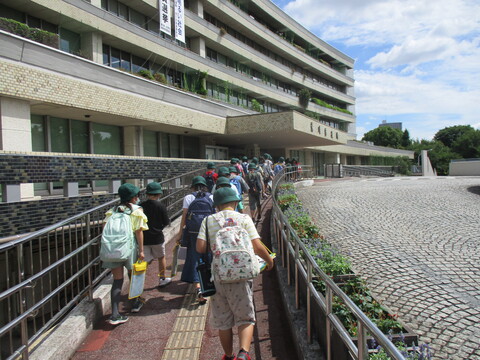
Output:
x=231 y=78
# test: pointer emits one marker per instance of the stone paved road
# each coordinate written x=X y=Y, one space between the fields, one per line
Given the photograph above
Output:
x=416 y=241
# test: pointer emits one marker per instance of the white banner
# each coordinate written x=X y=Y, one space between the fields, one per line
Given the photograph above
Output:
x=179 y=21
x=165 y=25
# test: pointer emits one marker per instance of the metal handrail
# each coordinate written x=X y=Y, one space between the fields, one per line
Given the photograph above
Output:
x=49 y=271
x=290 y=244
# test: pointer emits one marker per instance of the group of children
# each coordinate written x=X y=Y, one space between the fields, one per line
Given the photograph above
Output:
x=219 y=191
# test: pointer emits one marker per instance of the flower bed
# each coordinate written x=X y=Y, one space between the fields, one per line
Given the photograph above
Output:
x=338 y=267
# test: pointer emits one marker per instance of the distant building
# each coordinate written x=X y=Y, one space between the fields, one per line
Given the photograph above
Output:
x=394 y=125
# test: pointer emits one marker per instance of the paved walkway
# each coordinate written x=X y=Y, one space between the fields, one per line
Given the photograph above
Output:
x=173 y=326
x=417 y=243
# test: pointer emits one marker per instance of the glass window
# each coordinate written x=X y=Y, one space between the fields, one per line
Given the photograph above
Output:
x=34 y=22
x=10 y=13
x=139 y=63
x=80 y=138
x=153 y=26
x=137 y=18
x=150 y=143
x=59 y=135
x=125 y=63
x=165 y=144
x=47 y=26
x=113 y=6
x=38 y=133
x=123 y=11
x=104 y=4
x=106 y=139
x=174 y=146
x=69 y=41
x=115 y=58
x=106 y=55
x=191 y=147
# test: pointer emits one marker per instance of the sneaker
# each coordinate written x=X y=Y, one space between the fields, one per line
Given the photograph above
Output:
x=119 y=319
x=164 y=282
x=225 y=357
x=243 y=355
x=137 y=305
x=201 y=300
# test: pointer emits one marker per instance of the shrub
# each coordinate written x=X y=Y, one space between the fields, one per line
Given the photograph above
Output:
x=304 y=96
x=146 y=74
x=23 y=30
x=160 y=78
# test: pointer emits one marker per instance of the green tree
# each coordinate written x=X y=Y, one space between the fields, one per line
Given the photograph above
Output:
x=385 y=136
x=468 y=144
x=439 y=154
x=449 y=134
x=406 y=142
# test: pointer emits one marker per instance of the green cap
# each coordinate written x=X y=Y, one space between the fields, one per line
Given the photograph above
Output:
x=199 y=180
x=154 y=188
x=244 y=158
x=233 y=169
x=222 y=181
x=281 y=159
x=210 y=165
x=127 y=192
x=223 y=170
x=252 y=166
x=233 y=160
x=224 y=195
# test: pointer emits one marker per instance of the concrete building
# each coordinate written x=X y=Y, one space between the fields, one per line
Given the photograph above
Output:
x=393 y=125
x=231 y=78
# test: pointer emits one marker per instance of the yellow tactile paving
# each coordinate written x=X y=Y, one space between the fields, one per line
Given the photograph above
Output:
x=186 y=338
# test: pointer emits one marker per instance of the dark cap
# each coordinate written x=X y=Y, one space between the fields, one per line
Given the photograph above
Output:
x=154 y=188
x=127 y=192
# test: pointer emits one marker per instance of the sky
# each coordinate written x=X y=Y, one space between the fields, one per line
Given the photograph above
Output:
x=416 y=61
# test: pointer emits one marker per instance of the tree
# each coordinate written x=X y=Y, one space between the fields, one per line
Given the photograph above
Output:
x=385 y=136
x=406 y=142
x=439 y=154
x=468 y=145
x=449 y=134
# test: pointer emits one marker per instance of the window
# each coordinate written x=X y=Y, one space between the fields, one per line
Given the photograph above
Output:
x=38 y=133
x=81 y=140
x=150 y=143
x=137 y=18
x=59 y=135
x=107 y=139
x=69 y=41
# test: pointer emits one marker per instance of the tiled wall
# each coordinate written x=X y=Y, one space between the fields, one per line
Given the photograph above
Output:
x=27 y=216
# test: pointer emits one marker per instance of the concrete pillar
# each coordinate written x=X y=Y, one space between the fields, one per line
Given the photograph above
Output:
x=196 y=6
x=332 y=158
x=133 y=140
x=198 y=46
x=70 y=189
x=252 y=150
x=113 y=186
x=16 y=132
x=92 y=46
x=11 y=192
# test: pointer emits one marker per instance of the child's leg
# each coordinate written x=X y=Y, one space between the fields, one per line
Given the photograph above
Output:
x=162 y=267
x=245 y=335
x=116 y=291
x=226 y=339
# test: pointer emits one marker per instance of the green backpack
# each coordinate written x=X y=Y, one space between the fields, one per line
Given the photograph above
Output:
x=118 y=239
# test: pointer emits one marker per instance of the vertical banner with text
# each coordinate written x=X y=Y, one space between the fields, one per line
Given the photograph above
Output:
x=179 y=21
x=165 y=25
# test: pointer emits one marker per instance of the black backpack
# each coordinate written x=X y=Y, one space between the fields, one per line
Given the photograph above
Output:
x=210 y=181
x=199 y=209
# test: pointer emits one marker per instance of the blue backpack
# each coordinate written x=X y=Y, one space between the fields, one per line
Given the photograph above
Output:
x=235 y=181
x=198 y=210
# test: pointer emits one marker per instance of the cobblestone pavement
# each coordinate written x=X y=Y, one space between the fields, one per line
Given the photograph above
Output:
x=416 y=241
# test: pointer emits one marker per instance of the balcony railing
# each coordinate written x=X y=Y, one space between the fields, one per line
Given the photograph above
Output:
x=302 y=270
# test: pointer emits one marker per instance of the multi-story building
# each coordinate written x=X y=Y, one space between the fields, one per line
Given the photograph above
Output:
x=231 y=78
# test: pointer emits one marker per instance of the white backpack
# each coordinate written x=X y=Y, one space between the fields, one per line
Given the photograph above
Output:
x=233 y=256
x=118 y=239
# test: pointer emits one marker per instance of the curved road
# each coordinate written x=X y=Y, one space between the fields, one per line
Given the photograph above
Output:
x=416 y=241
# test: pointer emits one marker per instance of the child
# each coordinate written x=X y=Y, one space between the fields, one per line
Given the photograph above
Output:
x=128 y=198
x=232 y=304
x=153 y=240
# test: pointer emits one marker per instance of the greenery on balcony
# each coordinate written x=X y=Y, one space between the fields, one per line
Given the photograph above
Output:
x=328 y=106
x=23 y=30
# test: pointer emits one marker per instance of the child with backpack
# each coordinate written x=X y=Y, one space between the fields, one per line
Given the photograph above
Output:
x=196 y=206
x=255 y=183
x=125 y=222
x=230 y=233
x=153 y=239
x=210 y=176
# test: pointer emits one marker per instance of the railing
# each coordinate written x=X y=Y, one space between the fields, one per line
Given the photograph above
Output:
x=302 y=270
x=48 y=272
x=340 y=170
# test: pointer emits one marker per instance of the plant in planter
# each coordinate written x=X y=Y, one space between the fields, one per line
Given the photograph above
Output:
x=146 y=74
x=160 y=78
x=304 y=96
x=23 y=30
